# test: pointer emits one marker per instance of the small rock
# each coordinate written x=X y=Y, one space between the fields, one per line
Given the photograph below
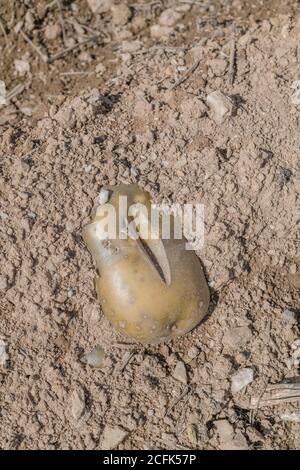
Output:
x=241 y=379
x=95 y=357
x=169 y=17
x=100 y=6
x=221 y=106
x=22 y=67
x=29 y=21
x=85 y=57
x=103 y=196
x=100 y=69
x=228 y=439
x=3 y=354
x=193 y=352
x=2 y=93
x=112 y=437
x=120 y=14
x=183 y=8
x=289 y=315
x=3 y=282
x=78 y=403
x=52 y=31
x=160 y=32
x=293 y=268
x=179 y=372
x=131 y=46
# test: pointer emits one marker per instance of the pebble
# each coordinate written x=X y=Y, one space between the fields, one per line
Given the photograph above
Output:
x=2 y=93
x=3 y=282
x=95 y=357
x=229 y=440
x=120 y=14
x=100 y=6
x=103 y=196
x=100 y=69
x=78 y=403
x=112 y=437
x=160 y=32
x=289 y=315
x=221 y=106
x=169 y=17
x=3 y=354
x=293 y=268
x=52 y=31
x=179 y=372
x=241 y=379
x=22 y=67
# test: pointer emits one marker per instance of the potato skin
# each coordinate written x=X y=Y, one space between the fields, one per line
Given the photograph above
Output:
x=138 y=303
x=134 y=297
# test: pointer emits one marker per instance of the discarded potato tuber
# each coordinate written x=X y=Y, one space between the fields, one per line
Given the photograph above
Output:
x=151 y=289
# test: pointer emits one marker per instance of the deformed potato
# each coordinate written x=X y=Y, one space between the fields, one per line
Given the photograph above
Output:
x=151 y=289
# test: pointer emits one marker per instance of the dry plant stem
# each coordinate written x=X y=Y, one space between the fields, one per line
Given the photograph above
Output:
x=15 y=91
x=66 y=51
x=61 y=20
x=186 y=75
x=44 y=57
x=276 y=394
x=177 y=400
x=231 y=72
x=2 y=27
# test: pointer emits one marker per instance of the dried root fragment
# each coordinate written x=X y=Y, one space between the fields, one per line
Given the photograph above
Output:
x=151 y=289
x=275 y=394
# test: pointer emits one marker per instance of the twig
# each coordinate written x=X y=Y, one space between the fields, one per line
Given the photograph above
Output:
x=186 y=75
x=4 y=32
x=231 y=71
x=44 y=57
x=177 y=400
x=128 y=356
x=66 y=51
x=274 y=394
x=61 y=20
x=14 y=92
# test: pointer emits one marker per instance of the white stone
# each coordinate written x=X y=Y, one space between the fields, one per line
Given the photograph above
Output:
x=3 y=354
x=95 y=357
x=160 y=32
x=22 y=66
x=241 y=379
x=221 y=106
x=2 y=93
x=52 y=31
x=120 y=14
x=179 y=372
x=112 y=437
x=103 y=196
x=169 y=17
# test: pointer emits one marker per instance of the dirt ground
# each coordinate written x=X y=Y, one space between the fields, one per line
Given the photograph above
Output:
x=129 y=105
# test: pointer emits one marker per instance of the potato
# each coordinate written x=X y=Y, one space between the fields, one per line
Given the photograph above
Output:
x=151 y=289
